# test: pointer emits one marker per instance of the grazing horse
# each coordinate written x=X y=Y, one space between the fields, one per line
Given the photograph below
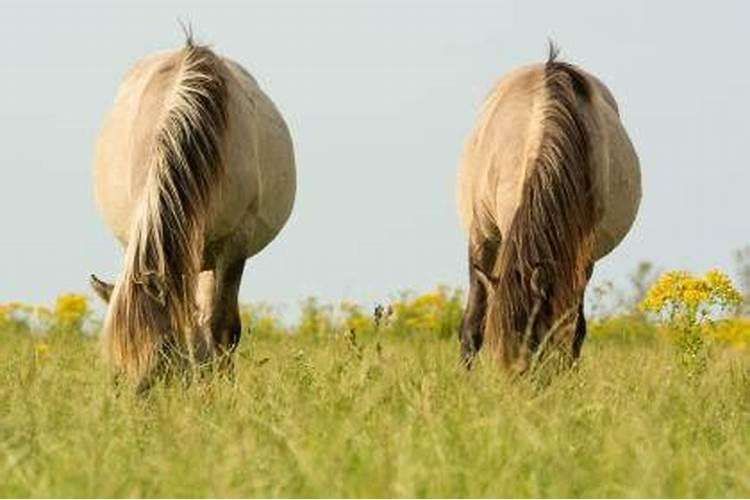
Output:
x=549 y=183
x=193 y=173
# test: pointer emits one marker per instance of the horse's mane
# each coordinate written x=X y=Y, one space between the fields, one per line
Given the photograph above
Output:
x=157 y=287
x=551 y=237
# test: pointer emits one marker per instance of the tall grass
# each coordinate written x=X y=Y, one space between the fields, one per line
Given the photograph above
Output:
x=389 y=414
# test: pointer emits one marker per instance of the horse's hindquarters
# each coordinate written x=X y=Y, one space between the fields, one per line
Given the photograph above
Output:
x=255 y=196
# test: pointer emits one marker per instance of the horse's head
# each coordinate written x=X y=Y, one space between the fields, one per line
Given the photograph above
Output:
x=527 y=316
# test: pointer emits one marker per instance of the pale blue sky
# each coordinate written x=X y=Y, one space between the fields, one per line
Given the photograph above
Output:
x=379 y=97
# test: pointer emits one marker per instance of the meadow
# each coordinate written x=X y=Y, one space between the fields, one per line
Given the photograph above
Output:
x=345 y=402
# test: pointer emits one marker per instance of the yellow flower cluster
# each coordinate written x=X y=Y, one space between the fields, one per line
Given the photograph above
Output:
x=71 y=308
x=41 y=348
x=70 y=311
x=354 y=317
x=722 y=286
x=688 y=301
x=680 y=291
x=261 y=319
x=420 y=313
x=734 y=331
x=438 y=311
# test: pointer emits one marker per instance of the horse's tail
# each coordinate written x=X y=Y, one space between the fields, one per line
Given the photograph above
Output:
x=152 y=309
x=542 y=269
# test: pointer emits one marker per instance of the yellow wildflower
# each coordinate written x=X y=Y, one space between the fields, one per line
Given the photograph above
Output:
x=70 y=307
x=41 y=348
x=679 y=291
x=69 y=313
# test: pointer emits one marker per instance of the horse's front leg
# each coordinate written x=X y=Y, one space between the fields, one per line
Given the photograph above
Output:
x=471 y=332
x=205 y=297
x=482 y=256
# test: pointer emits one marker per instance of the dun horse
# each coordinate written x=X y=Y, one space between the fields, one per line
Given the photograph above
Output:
x=549 y=184
x=194 y=173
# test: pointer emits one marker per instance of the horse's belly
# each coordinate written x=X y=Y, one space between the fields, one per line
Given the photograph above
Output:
x=258 y=195
x=279 y=188
x=254 y=219
x=621 y=194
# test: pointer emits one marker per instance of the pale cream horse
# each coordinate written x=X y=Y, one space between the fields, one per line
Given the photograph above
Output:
x=549 y=183
x=194 y=173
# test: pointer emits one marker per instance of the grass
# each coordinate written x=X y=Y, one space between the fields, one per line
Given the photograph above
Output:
x=317 y=416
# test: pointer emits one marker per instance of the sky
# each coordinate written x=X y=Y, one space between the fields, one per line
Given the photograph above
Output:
x=379 y=97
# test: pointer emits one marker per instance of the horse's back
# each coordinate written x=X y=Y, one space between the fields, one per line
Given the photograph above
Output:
x=255 y=197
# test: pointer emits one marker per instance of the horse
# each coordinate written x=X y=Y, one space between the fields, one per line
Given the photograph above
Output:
x=194 y=173
x=548 y=184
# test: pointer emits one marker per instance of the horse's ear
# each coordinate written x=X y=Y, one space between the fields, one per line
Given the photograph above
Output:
x=101 y=288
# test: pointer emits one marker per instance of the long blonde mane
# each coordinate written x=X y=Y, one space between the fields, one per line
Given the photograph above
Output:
x=151 y=317
x=541 y=269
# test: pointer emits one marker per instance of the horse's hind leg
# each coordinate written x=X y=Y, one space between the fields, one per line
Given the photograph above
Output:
x=225 y=315
x=482 y=256
x=580 y=332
